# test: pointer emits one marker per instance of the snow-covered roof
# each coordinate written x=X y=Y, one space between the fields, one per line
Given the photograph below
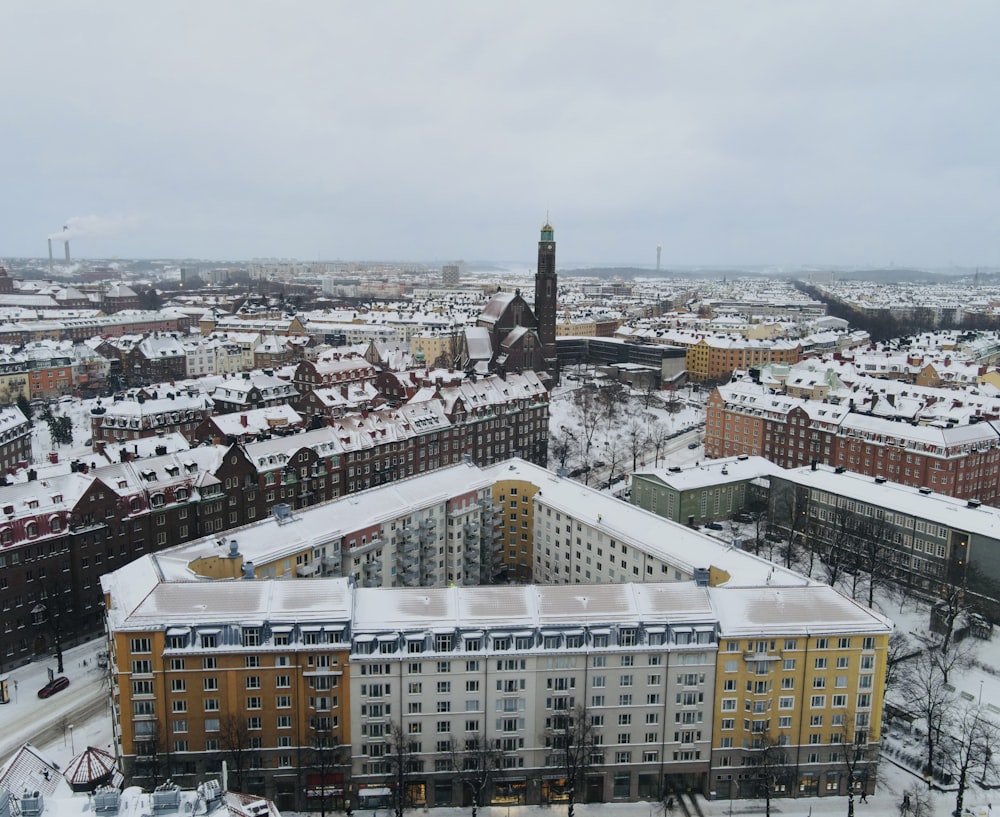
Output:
x=891 y=496
x=322 y=524
x=527 y=606
x=256 y=421
x=769 y=610
x=714 y=472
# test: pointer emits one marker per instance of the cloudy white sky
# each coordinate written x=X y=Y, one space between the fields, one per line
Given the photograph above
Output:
x=779 y=133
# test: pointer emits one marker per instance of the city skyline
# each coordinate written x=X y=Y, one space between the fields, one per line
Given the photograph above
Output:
x=776 y=134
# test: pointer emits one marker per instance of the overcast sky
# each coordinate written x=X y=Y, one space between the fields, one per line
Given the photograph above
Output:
x=781 y=133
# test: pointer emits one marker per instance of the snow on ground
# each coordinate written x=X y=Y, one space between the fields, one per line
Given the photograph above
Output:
x=46 y=722
x=41 y=440
x=689 y=415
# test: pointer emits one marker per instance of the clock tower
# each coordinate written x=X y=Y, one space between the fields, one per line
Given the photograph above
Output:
x=545 y=300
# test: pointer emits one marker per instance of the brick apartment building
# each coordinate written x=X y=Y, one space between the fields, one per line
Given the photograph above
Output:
x=70 y=529
x=957 y=460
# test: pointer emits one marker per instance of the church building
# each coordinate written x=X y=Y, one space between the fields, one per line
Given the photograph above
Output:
x=509 y=335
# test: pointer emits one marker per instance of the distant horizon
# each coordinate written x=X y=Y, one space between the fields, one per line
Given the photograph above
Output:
x=485 y=265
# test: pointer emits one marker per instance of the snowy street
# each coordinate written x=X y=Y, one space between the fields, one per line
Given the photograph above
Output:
x=73 y=718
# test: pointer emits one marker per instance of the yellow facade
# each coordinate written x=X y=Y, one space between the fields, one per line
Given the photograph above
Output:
x=808 y=694
x=14 y=384
x=579 y=329
x=178 y=699
x=514 y=500
x=285 y=566
x=434 y=347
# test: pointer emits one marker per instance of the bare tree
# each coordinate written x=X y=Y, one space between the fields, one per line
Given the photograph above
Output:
x=947 y=611
x=611 y=398
x=658 y=437
x=234 y=738
x=757 y=509
x=325 y=757
x=789 y=515
x=857 y=756
x=927 y=695
x=562 y=446
x=476 y=764
x=55 y=612
x=961 y=656
x=615 y=454
x=873 y=553
x=972 y=744
x=570 y=739
x=770 y=769
x=916 y=803
x=836 y=539
x=673 y=403
x=635 y=438
x=648 y=391
x=152 y=757
x=587 y=413
x=900 y=649
x=400 y=760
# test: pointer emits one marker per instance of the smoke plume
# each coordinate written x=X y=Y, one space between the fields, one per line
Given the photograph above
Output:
x=94 y=226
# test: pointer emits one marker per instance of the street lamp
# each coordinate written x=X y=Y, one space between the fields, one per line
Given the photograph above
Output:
x=72 y=748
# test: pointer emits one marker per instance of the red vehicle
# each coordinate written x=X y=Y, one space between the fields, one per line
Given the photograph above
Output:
x=53 y=686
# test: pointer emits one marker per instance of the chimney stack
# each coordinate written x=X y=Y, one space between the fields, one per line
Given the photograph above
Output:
x=66 y=247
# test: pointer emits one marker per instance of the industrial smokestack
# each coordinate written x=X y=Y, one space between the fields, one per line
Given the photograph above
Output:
x=50 y=252
x=659 y=249
x=66 y=247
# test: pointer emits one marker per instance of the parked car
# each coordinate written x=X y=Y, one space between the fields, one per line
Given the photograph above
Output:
x=713 y=526
x=693 y=445
x=53 y=686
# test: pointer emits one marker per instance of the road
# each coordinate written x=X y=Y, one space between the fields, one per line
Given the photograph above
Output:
x=29 y=719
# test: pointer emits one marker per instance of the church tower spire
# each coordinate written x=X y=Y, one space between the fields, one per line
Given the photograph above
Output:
x=545 y=299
